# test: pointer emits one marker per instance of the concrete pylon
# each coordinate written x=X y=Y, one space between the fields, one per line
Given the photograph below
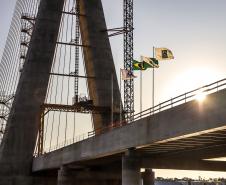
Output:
x=99 y=61
x=17 y=147
x=131 y=174
x=64 y=177
x=16 y=151
x=148 y=177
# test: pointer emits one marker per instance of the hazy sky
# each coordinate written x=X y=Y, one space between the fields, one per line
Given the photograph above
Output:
x=193 y=29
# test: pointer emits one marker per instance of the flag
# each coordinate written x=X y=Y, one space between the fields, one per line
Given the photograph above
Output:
x=163 y=54
x=149 y=62
x=127 y=74
x=138 y=65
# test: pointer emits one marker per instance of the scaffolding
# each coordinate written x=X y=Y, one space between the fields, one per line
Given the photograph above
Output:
x=83 y=105
x=27 y=26
x=128 y=58
x=5 y=106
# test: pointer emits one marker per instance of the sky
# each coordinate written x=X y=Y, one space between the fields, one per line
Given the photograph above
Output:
x=193 y=29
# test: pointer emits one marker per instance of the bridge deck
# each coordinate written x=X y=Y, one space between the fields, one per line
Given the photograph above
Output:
x=194 y=127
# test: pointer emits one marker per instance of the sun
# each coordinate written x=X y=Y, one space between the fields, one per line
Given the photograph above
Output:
x=200 y=97
x=191 y=79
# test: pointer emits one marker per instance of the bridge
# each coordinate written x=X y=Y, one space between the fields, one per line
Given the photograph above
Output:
x=180 y=133
x=196 y=130
x=181 y=137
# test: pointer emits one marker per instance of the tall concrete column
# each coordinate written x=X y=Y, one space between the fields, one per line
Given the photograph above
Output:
x=99 y=61
x=17 y=147
x=148 y=177
x=131 y=169
x=64 y=177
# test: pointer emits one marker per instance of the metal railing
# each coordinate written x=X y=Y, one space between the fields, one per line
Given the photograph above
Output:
x=178 y=100
x=183 y=98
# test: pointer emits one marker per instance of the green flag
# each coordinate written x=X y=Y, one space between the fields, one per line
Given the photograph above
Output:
x=138 y=65
x=149 y=62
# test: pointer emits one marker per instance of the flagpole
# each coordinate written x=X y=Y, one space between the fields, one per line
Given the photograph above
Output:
x=140 y=92
x=112 y=98
x=120 y=118
x=153 y=83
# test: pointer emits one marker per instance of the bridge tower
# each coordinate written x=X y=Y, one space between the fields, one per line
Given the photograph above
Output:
x=17 y=147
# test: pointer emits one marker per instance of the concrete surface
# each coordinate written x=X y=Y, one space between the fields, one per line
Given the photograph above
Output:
x=68 y=176
x=21 y=131
x=131 y=174
x=22 y=180
x=188 y=118
x=19 y=141
x=148 y=177
x=99 y=61
x=182 y=163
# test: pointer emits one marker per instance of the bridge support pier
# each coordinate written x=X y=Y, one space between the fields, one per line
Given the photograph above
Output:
x=131 y=174
x=148 y=177
x=64 y=177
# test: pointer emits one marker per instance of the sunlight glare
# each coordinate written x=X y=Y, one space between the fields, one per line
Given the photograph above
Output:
x=201 y=96
x=190 y=79
x=217 y=159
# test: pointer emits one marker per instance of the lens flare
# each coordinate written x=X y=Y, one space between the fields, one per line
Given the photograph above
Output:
x=201 y=96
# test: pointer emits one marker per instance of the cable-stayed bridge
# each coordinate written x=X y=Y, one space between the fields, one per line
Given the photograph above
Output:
x=41 y=107
x=167 y=133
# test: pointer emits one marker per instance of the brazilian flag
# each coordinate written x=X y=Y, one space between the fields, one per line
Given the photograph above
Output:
x=139 y=65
